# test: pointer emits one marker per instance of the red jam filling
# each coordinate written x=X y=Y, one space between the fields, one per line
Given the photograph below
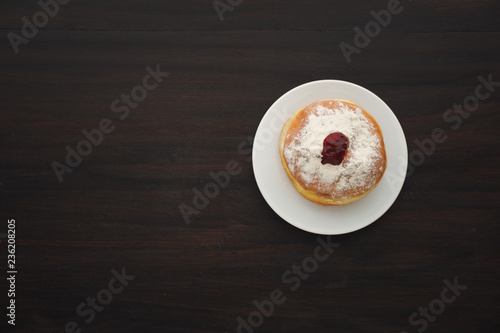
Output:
x=334 y=148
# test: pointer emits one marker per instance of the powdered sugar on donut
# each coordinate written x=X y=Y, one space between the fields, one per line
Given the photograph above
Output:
x=358 y=169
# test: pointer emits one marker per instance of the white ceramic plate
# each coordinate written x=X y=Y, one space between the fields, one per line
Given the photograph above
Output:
x=278 y=190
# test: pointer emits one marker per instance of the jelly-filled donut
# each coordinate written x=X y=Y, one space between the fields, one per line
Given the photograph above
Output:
x=333 y=152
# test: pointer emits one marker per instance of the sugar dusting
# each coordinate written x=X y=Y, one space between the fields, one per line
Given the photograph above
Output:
x=303 y=153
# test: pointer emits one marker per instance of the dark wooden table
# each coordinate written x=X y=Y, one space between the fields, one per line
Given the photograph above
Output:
x=101 y=244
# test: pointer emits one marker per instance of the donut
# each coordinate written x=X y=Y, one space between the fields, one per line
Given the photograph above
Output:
x=333 y=152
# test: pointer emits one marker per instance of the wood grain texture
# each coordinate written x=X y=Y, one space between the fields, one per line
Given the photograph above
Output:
x=119 y=208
